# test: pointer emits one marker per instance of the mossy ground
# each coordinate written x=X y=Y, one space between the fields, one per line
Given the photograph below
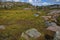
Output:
x=18 y=21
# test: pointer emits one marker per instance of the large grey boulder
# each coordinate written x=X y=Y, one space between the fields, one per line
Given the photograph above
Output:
x=57 y=35
x=31 y=33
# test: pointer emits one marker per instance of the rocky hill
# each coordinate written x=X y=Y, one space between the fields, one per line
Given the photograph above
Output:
x=14 y=5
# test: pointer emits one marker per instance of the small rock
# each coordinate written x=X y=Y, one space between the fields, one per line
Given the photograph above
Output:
x=47 y=23
x=53 y=24
x=36 y=15
x=25 y=36
x=2 y=27
x=50 y=23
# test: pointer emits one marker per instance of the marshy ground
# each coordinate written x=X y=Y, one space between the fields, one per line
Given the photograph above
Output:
x=17 y=21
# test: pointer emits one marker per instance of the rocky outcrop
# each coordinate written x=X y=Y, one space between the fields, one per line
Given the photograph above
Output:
x=50 y=20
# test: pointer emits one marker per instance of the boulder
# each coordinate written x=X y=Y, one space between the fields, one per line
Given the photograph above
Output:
x=57 y=35
x=31 y=33
x=46 y=17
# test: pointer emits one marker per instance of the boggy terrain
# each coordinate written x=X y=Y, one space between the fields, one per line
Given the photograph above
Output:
x=13 y=22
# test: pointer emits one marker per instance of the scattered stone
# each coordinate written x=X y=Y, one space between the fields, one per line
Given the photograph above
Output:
x=46 y=17
x=51 y=28
x=55 y=28
x=25 y=36
x=50 y=23
x=47 y=23
x=7 y=5
x=54 y=12
x=57 y=35
x=36 y=15
x=2 y=27
x=31 y=33
x=53 y=24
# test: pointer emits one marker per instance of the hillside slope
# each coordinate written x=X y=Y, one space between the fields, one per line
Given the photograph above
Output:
x=15 y=5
